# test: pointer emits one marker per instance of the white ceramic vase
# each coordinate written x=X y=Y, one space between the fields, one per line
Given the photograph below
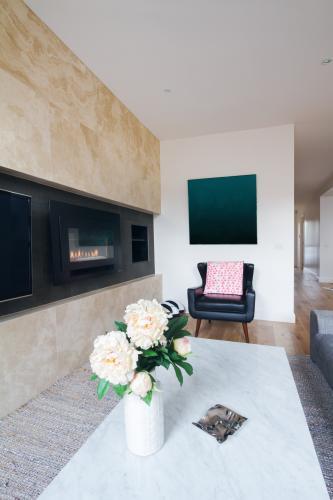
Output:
x=144 y=424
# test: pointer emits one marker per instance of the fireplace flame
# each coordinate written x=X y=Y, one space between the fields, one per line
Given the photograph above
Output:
x=76 y=255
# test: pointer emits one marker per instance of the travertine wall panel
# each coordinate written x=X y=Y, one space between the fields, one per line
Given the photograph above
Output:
x=28 y=357
x=68 y=127
x=24 y=128
x=43 y=345
x=60 y=124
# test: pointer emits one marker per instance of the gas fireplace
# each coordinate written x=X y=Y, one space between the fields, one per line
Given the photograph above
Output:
x=83 y=239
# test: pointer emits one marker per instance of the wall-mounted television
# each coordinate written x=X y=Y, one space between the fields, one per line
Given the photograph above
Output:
x=15 y=245
x=223 y=210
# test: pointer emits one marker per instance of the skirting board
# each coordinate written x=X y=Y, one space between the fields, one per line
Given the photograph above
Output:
x=290 y=318
x=325 y=279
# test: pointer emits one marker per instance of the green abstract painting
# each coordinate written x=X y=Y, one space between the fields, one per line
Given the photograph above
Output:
x=223 y=210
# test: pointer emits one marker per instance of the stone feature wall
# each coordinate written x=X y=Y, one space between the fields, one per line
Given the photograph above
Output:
x=61 y=124
x=43 y=345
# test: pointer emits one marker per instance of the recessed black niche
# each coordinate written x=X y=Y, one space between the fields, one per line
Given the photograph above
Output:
x=93 y=247
x=139 y=243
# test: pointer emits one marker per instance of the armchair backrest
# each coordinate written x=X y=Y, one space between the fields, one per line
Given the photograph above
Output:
x=247 y=274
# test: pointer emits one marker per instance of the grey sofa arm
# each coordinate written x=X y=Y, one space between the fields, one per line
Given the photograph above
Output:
x=321 y=322
x=321 y=342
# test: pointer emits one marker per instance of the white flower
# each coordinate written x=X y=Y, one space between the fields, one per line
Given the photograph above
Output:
x=182 y=346
x=114 y=358
x=141 y=384
x=146 y=322
x=163 y=340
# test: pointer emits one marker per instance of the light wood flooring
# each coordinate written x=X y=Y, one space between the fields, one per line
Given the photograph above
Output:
x=309 y=294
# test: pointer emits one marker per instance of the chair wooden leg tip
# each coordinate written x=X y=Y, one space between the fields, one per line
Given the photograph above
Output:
x=246 y=333
x=197 y=327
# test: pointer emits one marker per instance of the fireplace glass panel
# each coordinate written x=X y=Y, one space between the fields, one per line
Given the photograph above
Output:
x=88 y=245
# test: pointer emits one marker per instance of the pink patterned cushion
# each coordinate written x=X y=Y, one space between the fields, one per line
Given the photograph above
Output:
x=224 y=278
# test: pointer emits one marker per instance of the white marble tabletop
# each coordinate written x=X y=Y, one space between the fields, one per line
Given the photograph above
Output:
x=270 y=458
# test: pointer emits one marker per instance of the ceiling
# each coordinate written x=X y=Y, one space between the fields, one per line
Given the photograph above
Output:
x=229 y=65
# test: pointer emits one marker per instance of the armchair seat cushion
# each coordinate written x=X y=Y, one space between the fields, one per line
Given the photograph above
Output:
x=221 y=303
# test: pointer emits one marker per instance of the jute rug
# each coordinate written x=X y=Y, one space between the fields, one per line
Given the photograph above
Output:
x=317 y=400
x=37 y=440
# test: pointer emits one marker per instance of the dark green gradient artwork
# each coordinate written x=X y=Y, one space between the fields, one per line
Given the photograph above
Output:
x=223 y=210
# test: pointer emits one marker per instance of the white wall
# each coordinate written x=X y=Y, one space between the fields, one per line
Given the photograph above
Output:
x=308 y=215
x=326 y=238
x=269 y=153
x=298 y=240
x=311 y=244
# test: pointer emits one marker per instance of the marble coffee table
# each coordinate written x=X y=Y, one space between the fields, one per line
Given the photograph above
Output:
x=270 y=458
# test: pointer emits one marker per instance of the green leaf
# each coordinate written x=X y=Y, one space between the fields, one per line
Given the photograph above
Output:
x=121 y=326
x=147 y=364
x=181 y=333
x=179 y=374
x=186 y=366
x=120 y=389
x=102 y=388
x=149 y=353
x=165 y=362
x=176 y=324
x=93 y=377
x=147 y=399
x=175 y=356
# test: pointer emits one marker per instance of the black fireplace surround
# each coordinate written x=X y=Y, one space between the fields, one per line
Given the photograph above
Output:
x=83 y=240
x=59 y=244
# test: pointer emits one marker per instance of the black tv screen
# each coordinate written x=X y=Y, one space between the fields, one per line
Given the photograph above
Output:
x=15 y=245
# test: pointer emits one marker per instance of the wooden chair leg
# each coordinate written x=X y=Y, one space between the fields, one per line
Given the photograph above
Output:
x=246 y=332
x=197 y=327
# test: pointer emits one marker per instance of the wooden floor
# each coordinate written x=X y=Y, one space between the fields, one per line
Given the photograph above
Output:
x=309 y=294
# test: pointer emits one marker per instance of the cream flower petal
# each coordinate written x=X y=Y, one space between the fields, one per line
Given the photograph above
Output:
x=114 y=358
x=146 y=322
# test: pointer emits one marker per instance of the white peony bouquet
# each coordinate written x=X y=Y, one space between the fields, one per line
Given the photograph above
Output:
x=146 y=339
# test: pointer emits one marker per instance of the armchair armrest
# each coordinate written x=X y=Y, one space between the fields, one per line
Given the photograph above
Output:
x=197 y=290
x=250 y=297
x=192 y=294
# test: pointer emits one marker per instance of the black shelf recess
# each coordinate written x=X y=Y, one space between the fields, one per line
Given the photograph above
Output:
x=139 y=243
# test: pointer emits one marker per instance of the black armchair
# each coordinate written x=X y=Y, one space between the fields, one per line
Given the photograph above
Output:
x=223 y=307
